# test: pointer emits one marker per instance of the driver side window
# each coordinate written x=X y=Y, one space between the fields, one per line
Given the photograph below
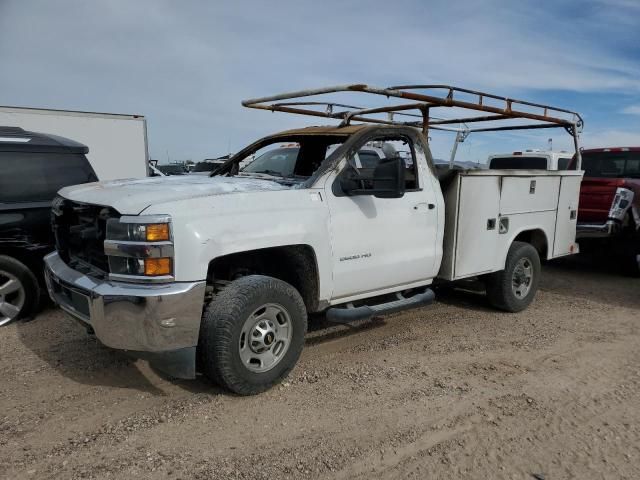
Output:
x=366 y=159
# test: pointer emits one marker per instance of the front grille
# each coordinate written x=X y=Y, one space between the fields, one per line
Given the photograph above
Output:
x=80 y=230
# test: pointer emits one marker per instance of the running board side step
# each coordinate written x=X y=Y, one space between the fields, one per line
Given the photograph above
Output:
x=350 y=314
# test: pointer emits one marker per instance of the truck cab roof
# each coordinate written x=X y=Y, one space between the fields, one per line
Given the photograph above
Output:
x=17 y=139
x=611 y=149
x=327 y=130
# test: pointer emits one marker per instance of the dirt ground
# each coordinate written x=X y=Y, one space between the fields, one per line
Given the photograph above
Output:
x=455 y=390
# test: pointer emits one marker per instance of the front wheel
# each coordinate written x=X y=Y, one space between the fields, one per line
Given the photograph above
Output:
x=514 y=288
x=19 y=290
x=252 y=334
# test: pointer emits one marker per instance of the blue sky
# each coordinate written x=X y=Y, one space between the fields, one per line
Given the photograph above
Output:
x=187 y=65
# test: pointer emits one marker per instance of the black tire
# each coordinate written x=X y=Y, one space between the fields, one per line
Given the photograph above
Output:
x=499 y=284
x=630 y=258
x=222 y=324
x=628 y=248
x=29 y=284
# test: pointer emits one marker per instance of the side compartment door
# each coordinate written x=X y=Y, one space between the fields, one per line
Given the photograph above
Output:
x=564 y=242
x=478 y=226
x=384 y=243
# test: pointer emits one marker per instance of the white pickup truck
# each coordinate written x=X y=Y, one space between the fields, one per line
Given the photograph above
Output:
x=217 y=274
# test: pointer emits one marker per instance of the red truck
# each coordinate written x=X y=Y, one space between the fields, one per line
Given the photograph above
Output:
x=609 y=211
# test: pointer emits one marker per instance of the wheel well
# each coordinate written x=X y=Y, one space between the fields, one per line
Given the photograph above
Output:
x=537 y=239
x=32 y=260
x=294 y=264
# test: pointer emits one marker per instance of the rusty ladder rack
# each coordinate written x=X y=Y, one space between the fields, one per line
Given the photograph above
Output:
x=437 y=96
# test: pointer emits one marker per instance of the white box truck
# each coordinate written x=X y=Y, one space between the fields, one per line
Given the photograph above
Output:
x=224 y=269
x=117 y=143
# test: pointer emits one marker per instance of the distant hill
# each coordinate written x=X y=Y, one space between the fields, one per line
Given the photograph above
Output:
x=460 y=164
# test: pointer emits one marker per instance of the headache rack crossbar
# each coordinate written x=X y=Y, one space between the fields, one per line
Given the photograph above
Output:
x=419 y=101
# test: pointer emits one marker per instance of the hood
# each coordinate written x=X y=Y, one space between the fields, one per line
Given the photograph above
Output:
x=132 y=196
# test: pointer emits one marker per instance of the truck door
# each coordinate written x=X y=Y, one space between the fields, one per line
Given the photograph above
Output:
x=385 y=243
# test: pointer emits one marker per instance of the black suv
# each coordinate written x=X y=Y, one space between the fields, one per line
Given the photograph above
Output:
x=33 y=167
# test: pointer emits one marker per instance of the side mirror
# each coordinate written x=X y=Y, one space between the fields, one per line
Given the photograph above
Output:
x=387 y=180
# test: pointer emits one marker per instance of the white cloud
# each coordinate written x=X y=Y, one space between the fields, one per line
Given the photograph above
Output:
x=186 y=66
x=632 y=110
x=611 y=138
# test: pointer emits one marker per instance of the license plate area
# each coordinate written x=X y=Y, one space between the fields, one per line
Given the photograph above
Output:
x=71 y=299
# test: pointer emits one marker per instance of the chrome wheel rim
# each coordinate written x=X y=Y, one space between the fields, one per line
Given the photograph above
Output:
x=265 y=338
x=522 y=278
x=12 y=297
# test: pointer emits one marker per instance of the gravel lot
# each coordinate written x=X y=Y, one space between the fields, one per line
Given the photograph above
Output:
x=455 y=390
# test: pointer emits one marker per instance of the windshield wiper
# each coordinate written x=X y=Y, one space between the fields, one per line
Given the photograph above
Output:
x=269 y=172
x=273 y=175
x=260 y=175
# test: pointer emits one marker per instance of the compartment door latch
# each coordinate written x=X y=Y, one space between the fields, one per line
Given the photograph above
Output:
x=504 y=226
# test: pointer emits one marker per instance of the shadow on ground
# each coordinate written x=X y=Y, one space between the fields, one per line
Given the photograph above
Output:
x=65 y=345
x=591 y=277
x=320 y=330
x=577 y=276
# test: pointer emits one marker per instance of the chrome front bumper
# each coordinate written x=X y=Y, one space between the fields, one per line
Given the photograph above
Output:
x=149 y=318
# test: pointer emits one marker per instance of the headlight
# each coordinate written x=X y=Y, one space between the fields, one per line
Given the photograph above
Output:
x=157 y=232
x=137 y=232
x=140 y=248
x=147 y=267
x=154 y=267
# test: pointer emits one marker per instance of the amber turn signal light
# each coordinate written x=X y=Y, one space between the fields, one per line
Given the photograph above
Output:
x=157 y=232
x=154 y=267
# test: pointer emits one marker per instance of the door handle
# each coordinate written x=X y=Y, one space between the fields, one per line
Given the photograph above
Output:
x=430 y=206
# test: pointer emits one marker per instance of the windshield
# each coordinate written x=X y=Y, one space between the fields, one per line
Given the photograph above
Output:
x=285 y=158
x=611 y=164
x=281 y=162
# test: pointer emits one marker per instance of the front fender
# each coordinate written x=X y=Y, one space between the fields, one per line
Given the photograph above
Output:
x=218 y=226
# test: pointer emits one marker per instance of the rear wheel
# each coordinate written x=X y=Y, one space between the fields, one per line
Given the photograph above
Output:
x=627 y=247
x=19 y=290
x=514 y=288
x=630 y=258
x=252 y=334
